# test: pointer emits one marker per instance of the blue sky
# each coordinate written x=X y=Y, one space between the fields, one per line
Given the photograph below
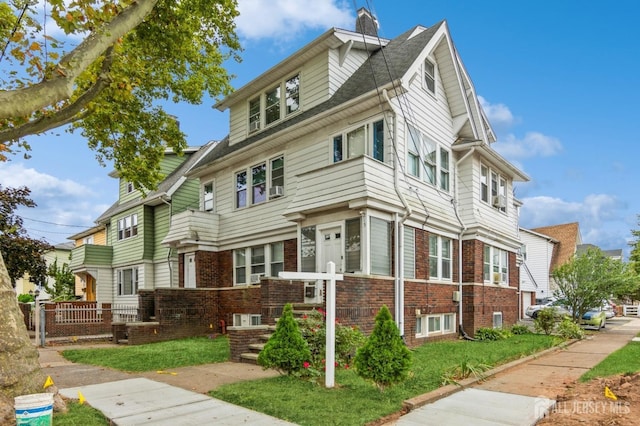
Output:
x=558 y=80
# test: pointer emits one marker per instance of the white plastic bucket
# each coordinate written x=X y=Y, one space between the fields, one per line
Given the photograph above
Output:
x=34 y=410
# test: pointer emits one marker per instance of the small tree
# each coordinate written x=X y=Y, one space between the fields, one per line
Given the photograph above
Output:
x=286 y=350
x=64 y=286
x=384 y=358
x=588 y=279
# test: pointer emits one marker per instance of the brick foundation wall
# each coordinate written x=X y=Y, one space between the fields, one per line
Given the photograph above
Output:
x=76 y=319
x=208 y=268
x=241 y=300
x=424 y=298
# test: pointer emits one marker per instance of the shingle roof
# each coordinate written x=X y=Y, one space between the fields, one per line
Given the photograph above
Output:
x=163 y=187
x=385 y=65
x=568 y=236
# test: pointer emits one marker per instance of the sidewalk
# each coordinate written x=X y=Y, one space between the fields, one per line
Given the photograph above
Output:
x=522 y=393
x=516 y=394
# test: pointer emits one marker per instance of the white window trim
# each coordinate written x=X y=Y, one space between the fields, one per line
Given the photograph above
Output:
x=424 y=319
x=438 y=275
x=213 y=196
x=368 y=140
x=503 y=278
x=249 y=183
x=268 y=261
x=434 y=76
x=262 y=98
x=121 y=225
x=135 y=276
x=493 y=320
x=247 y=320
x=421 y=145
x=501 y=191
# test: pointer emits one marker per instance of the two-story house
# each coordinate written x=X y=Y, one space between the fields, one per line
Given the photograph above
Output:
x=374 y=154
x=537 y=254
x=123 y=252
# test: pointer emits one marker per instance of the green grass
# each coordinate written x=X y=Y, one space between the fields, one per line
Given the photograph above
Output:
x=79 y=415
x=155 y=356
x=625 y=360
x=354 y=401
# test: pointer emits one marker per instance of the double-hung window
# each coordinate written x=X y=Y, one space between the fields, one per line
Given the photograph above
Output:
x=265 y=179
x=427 y=159
x=367 y=139
x=430 y=76
x=495 y=265
x=128 y=227
x=127 y=281
x=274 y=104
x=493 y=188
x=257 y=261
x=207 y=197
x=440 y=259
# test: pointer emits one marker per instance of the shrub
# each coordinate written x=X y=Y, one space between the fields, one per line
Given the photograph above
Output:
x=462 y=371
x=487 y=333
x=545 y=320
x=384 y=358
x=314 y=330
x=286 y=350
x=26 y=298
x=567 y=329
x=518 y=329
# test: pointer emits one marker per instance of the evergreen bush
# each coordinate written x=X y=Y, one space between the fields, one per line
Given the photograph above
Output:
x=384 y=358
x=286 y=350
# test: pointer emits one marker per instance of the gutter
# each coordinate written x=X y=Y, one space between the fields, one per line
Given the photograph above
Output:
x=399 y=224
x=170 y=204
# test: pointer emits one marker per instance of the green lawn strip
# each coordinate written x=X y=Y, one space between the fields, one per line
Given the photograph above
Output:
x=625 y=360
x=155 y=356
x=80 y=415
x=354 y=401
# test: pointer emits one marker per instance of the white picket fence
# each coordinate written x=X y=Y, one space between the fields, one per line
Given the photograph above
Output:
x=630 y=310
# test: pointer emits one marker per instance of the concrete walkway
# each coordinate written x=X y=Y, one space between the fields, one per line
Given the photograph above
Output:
x=520 y=394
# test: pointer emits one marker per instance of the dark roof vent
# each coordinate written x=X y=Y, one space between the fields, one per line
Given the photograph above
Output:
x=366 y=24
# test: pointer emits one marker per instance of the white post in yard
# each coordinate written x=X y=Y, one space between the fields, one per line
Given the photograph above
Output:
x=330 y=277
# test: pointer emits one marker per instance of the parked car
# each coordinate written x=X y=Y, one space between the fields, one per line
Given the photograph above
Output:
x=594 y=318
x=609 y=308
x=560 y=310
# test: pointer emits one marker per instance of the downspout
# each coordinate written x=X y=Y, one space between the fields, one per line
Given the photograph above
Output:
x=463 y=229
x=399 y=224
x=170 y=204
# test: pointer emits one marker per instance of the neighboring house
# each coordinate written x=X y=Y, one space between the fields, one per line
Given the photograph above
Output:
x=567 y=239
x=615 y=254
x=85 y=272
x=537 y=256
x=132 y=257
x=376 y=155
x=60 y=253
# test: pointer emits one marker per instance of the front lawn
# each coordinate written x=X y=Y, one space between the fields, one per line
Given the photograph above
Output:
x=625 y=360
x=155 y=356
x=355 y=402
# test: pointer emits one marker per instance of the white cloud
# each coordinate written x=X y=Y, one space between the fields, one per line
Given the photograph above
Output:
x=59 y=202
x=498 y=114
x=285 y=19
x=601 y=217
x=534 y=144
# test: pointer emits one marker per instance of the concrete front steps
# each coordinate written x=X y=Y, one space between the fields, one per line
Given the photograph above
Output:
x=299 y=310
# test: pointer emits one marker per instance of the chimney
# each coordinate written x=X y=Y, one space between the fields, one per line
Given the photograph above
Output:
x=366 y=24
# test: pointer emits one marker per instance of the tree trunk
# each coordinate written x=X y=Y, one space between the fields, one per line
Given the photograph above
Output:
x=20 y=372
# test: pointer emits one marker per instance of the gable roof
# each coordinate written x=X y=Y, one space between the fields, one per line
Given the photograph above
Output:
x=165 y=189
x=614 y=254
x=568 y=237
x=384 y=67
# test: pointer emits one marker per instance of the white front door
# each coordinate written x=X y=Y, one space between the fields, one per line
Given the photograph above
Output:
x=190 y=270
x=331 y=248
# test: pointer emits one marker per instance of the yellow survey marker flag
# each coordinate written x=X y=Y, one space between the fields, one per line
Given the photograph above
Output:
x=609 y=394
x=48 y=382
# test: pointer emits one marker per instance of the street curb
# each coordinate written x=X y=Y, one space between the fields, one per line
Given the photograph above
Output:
x=447 y=390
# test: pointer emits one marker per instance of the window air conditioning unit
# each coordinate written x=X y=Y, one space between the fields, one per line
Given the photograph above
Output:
x=276 y=191
x=253 y=126
x=499 y=201
x=255 y=278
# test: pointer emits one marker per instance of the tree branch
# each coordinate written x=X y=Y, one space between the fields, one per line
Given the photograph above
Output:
x=23 y=102
x=66 y=115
